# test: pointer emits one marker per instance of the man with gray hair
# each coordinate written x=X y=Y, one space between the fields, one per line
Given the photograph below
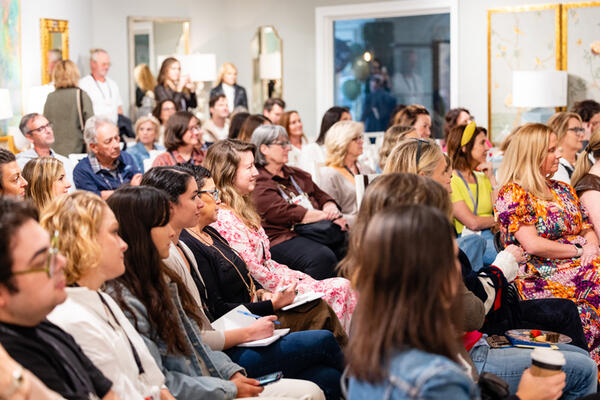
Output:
x=105 y=168
x=103 y=91
x=38 y=130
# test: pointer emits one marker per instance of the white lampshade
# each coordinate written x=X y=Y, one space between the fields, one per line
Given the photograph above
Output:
x=539 y=88
x=270 y=66
x=200 y=67
x=6 y=111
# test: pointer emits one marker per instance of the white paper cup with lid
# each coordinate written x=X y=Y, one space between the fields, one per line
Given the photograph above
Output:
x=546 y=362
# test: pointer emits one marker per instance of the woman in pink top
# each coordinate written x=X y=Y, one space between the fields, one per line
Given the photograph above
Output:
x=232 y=164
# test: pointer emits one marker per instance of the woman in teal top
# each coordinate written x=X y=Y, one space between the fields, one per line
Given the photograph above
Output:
x=472 y=184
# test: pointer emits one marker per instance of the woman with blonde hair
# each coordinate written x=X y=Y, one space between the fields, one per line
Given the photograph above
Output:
x=415 y=116
x=235 y=174
x=343 y=147
x=47 y=180
x=171 y=85
x=586 y=180
x=144 y=89
x=392 y=136
x=546 y=218
x=570 y=133
x=227 y=85
x=146 y=129
x=68 y=107
x=87 y=233
x=409 y=190
x=421 y=157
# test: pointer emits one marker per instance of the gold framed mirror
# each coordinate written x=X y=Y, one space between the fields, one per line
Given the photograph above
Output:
x=55 y=44
x=267 y=61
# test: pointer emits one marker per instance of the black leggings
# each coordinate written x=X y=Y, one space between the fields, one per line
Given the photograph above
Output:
x=306 y=255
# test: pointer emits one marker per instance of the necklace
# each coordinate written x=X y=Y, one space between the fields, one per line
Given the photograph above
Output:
x=251 y=288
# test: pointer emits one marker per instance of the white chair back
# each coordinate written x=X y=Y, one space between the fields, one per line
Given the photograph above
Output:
x=361 y=182
x=76 y=157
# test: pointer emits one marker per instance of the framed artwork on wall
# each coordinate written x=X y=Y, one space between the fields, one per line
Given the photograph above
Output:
x=581 y=50
x=519 y=38
x=10 y=56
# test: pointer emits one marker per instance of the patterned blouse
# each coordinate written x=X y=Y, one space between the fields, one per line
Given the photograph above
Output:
x=253 y=246
x=561 y=219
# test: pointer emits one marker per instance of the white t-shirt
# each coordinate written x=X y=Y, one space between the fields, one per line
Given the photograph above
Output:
x=105 y=342
x=229 y=92
x=105 y=96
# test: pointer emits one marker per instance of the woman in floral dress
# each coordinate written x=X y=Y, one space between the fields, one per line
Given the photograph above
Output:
x=232 y=165
x=546 y=218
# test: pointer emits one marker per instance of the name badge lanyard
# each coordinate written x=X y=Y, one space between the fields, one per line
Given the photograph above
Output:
x=108 y=184
x=136 y=356
x=100 y=89
x=476 y=200
x=285 y=196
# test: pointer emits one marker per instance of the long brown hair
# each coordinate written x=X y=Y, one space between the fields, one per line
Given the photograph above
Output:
x=139 y=209
x=223 y=160
x=412 y=288
x=392 y=190
x=461 y=155
x=584 y=164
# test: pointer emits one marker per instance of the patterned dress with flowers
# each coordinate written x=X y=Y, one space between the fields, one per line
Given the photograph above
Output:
x=253 y=246
x=561 y=219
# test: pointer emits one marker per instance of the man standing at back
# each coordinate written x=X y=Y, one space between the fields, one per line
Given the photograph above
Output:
x=32 y=283
x=103 y=91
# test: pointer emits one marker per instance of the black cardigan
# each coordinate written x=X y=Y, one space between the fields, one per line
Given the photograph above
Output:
x=225 y=288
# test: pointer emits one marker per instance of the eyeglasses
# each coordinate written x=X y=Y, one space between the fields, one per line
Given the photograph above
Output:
x=578 y=131
x=420 y=141
x=195 y=128
x=50 y=267
x=283 y=144
x=214 y=193
x=48 y=126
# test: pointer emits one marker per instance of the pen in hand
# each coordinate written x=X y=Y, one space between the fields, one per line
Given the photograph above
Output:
x=256 y=316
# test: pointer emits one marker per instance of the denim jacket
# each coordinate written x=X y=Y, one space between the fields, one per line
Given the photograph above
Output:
x=415 y=374
x=204 y=374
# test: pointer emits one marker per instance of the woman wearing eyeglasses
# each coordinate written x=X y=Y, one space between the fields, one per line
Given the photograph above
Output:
x=89 y=239
x=182 y=140
x=473 y=185
x=343 y=146
x=286 y=197
x=570 y=133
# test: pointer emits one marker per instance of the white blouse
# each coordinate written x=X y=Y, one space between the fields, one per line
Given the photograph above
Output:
x=104 y=341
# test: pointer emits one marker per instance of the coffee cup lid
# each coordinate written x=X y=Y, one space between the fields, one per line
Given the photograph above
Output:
x=548 y=357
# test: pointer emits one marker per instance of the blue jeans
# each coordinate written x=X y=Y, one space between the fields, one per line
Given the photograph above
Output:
x=490 y=253
x=311 y=355
x=509 y=364
x=474 y=247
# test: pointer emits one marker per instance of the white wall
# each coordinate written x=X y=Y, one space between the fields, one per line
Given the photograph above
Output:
x=226 y=28
x=472 y=65
x=79 y=15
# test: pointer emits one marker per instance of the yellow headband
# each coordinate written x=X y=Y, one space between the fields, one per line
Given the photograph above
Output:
x=468 y=133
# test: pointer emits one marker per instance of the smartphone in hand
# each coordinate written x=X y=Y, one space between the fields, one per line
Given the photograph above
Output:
x=270 y=378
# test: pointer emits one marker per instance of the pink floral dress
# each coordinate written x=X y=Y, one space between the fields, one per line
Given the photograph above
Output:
x=561 y=219
x=253 y=246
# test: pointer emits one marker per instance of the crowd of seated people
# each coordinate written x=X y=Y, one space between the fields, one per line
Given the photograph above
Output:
x=119 y=265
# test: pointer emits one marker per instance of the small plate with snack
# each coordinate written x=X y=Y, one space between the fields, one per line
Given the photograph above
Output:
x=536 y=337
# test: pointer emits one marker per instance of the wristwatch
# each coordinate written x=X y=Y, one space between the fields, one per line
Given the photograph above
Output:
x=17 y=381
x=579 y=249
